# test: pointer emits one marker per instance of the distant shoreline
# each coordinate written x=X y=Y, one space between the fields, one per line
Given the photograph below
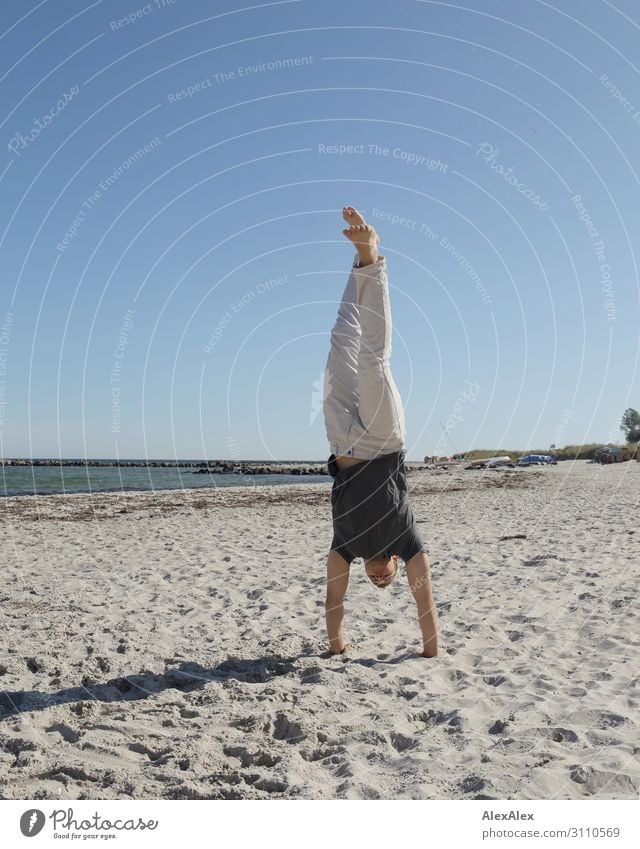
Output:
x=221 y=467
x=213 y=467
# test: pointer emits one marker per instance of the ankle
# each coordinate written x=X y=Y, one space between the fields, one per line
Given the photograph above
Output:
x=367 y=257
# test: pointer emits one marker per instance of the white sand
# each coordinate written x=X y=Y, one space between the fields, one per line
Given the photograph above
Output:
x=175 y=650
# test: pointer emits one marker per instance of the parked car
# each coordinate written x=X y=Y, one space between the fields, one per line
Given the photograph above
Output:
x=537 y=460
x=494 y=462
x=491 y=463
x=612 y=454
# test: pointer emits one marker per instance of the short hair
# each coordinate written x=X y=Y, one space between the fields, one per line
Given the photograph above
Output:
x=389 y=581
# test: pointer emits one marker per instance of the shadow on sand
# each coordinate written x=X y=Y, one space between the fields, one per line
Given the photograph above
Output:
x=186 y=678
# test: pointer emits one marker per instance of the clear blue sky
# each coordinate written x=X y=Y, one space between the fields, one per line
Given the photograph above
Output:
x=480 y=123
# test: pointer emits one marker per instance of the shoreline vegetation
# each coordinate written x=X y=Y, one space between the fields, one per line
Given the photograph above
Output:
x=297 y=467
x=569 y=452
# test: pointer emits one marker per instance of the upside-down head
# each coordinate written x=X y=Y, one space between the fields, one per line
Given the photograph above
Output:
x=382 y=571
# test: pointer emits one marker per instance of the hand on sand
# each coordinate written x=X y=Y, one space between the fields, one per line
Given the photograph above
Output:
x=346 y=650
x=362 y=235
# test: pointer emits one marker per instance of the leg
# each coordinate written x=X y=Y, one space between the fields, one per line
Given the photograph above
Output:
x=337 y=582
x=379 y=403
x=419 y=578
x=379 y=425
x=340 y=377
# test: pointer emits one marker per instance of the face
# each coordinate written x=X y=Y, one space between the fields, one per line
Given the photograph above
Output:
x=381 y=571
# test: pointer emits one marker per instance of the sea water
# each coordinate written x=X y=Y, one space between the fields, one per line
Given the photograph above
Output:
x=51 y=480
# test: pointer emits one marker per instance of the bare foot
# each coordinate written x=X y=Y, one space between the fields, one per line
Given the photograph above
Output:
x=362 y=235
x=352 y=216
x=365 y=241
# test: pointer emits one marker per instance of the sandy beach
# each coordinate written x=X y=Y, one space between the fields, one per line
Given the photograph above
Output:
x=171 y=645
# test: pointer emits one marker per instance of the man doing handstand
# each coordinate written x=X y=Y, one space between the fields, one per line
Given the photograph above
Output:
x=364 y=421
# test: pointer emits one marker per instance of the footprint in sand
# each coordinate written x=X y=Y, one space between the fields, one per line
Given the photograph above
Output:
x=271 y=785
x=615 y=785
x=157 y=757
x=401 y=743
x=249 y=758
x=67 y=733
x=560 y=735
x=407 y=694
x=472 y=784
x=64 y=773
x=322 y=753
x=514 y=636
x=286 y=729
x=249 y=723
x=432 y=717
x=311 y=675
x=494 y=680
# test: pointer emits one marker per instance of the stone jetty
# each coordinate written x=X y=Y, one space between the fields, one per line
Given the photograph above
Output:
x=200 y=467
x=264 y=469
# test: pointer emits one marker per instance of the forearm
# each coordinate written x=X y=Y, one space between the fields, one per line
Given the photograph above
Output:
x=334 y=616
x=428 y=619
x=419 y=577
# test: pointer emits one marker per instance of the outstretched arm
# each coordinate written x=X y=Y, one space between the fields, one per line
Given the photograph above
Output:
x=419 y=579
x=337 y=582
